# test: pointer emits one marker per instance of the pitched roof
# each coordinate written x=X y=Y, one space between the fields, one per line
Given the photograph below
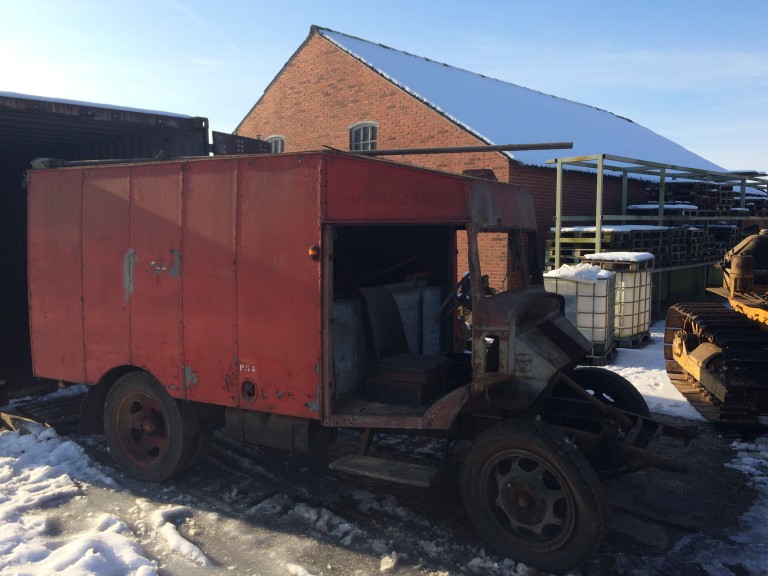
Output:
x=499 y=112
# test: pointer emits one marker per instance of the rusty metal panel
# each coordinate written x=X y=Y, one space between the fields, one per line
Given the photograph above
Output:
x=56 y=317
x=155 y=272
x=498 y=205
x=377 y=191
x=386 y=192
x=106 y=262
x=278 y=284
x=209 y=370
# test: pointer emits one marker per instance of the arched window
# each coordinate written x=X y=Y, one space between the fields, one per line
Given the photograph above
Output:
x=362 y=136
x=276 y=144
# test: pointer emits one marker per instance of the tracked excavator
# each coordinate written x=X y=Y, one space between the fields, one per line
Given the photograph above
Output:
x=717 y=355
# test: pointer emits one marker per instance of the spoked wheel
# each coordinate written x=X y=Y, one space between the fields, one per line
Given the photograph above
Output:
x=533 y=496
x=611 y=388
x=144 y=429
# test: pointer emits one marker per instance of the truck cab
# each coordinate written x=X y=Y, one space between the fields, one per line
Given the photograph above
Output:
x=434 y=343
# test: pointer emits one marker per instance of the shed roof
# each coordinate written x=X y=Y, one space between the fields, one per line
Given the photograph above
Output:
x=500 y=112
x=33 y=126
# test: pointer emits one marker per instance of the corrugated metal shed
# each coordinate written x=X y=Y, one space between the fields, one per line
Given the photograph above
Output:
x=32 y=127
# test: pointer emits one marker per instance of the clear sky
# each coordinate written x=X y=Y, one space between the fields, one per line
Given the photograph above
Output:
x=695 y=71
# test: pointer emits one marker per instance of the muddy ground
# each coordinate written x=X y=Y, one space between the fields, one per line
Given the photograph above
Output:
x=262 y=511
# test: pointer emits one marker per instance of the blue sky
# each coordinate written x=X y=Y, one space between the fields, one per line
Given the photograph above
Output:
x=694 y=71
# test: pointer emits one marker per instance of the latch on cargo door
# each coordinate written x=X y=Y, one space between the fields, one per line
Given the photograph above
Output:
x=174 y=270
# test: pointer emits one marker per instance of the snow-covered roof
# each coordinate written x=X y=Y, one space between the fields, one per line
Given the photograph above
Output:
x=499 y=112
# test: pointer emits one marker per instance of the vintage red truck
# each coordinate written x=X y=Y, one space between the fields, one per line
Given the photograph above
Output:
x=283 y=297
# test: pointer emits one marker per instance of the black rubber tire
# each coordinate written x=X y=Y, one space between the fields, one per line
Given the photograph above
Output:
x=533 y=496
x=144 y=429
x=611 y=388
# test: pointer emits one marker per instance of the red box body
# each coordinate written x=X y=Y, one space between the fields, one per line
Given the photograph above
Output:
x=198 y=271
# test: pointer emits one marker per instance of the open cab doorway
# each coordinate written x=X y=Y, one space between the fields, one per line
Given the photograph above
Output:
x=402 y=314
x=390 y=343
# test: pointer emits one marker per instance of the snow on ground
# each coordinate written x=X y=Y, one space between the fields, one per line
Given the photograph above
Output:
x=37 y=472
x=41 y=472
x=748 y=545
x=644 y=367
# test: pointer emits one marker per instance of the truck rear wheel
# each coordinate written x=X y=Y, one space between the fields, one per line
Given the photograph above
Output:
x=144 y=429
x=533 y=496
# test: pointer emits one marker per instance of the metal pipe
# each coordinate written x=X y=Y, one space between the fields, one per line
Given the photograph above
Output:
x=633 y=454
x=558 y=211
x=599 y=205
x=46 y=163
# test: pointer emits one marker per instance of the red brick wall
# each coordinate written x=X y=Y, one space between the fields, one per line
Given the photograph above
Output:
x=495 y=259
x=322 y=91
x=579 y=193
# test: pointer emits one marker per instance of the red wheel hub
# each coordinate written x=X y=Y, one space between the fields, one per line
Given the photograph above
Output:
x=150 y=424
x=141 y=428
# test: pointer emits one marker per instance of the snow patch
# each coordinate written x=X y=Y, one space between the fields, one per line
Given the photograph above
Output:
x=163 y=521
x=644 y=368
x=621 y=256
x=752 y=460
x=389 y=505
x=580 y=273
x=388 y=562
x=327 y=522
x=297 y=570
x=37 y=469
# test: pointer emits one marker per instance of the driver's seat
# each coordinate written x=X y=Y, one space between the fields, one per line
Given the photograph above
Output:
x=398 y=376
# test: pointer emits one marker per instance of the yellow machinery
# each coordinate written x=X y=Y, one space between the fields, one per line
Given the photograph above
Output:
x=717 y=356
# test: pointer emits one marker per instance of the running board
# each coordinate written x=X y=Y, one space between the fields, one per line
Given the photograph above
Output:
x=390 y=470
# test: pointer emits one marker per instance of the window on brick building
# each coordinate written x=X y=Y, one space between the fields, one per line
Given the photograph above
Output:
x=276 y=144
x=362 y=136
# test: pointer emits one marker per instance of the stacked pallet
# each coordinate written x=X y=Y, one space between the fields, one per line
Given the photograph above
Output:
x=757 y=204
x=694 y=246
x=670 y=245
x=723 y=238
x=707 y=199
x=669 y=209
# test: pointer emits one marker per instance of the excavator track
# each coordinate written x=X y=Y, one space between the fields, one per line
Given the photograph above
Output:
x=729 y=354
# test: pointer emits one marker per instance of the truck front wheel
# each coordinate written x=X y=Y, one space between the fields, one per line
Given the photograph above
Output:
x=533 y=496
x=144 y=429
x=612 y=389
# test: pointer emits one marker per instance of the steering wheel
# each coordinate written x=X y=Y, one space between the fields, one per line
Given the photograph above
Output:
x=462 y=292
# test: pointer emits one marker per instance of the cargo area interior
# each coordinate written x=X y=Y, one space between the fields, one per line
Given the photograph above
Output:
x=393 y=346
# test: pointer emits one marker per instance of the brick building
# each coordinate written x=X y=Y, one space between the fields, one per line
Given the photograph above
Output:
x=346 y=93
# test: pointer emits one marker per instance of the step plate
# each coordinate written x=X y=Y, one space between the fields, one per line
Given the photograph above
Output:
x=390 y=470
